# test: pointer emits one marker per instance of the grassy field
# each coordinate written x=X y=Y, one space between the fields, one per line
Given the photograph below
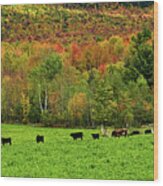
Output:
x=62 y=157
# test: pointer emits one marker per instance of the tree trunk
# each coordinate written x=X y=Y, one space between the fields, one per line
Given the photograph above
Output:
x=46 y=99
x=39 y=97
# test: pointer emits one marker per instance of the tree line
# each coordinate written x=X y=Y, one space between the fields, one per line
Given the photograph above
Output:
x=105 y=83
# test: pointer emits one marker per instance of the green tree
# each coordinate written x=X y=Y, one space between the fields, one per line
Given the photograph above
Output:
x=141 y=56
x=42 y=75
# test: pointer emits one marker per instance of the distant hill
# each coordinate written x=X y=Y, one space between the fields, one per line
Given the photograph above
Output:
x=81 y=23
x=140 y=4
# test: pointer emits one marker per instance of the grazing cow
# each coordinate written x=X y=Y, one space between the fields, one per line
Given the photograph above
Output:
x=77 y=135
x=135 y=132
x=115 y=133
x=95 y=136
x=119 y=132
x=148 y=131
x=6 y=141
x=124 y=132
x=39 y=139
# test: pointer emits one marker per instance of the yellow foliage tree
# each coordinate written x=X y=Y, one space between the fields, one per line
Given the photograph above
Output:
x=77 y=107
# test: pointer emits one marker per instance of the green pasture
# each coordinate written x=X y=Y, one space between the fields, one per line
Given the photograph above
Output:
x=62 y=157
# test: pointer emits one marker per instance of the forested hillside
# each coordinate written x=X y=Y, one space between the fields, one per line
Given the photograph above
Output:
x=78 y=65
x=82 y=23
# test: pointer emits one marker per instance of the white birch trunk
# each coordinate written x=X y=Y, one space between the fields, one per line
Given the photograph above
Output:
x=39 y=97
x=46 y=99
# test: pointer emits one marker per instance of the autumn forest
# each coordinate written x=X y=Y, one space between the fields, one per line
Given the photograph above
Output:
x=78 y=65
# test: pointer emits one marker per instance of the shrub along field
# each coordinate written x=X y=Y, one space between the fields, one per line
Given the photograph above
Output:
x=62 y=157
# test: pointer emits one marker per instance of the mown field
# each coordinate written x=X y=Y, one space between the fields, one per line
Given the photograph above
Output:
x=62 y=157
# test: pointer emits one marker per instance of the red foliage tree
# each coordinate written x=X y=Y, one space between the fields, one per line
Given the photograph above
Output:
x=102 y=68
x=59 y=48
x=76 y=52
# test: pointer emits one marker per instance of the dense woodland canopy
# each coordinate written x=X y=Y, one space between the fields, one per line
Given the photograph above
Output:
x=78 y=65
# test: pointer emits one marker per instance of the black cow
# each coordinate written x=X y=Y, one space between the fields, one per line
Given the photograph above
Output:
x=6 y=141
x=135 y=132
x=39 y=139
x=95 y=136
x=77 y=135
x=148 y=131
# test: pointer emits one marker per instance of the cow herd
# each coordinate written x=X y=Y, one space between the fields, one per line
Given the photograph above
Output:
x=124 y=132
x=79 y=135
